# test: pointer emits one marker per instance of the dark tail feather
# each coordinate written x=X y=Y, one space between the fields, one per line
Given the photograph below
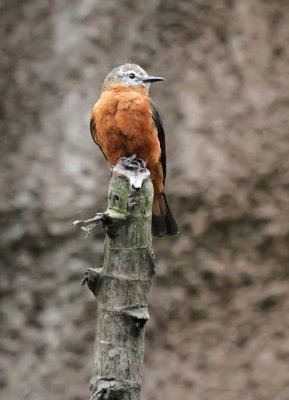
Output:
x=163 y=222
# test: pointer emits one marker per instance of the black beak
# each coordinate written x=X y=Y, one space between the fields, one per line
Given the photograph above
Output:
x=153 y=79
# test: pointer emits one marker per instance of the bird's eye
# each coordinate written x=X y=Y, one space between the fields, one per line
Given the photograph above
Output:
x=131 y=76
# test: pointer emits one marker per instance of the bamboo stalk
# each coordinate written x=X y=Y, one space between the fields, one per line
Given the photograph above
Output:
x=122 y=285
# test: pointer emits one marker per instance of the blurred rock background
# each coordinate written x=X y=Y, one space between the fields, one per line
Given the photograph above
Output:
x=220 y=300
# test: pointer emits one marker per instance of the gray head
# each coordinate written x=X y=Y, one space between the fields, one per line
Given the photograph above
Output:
x=131 y=75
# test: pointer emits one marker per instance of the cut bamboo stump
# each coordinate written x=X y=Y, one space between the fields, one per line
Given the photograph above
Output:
x=122 y=285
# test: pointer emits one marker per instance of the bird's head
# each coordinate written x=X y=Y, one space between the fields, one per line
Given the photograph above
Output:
x=131 y=75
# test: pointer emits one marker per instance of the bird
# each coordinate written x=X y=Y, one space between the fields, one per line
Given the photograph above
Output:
x=125 y=122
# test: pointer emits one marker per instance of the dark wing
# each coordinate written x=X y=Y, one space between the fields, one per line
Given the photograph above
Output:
x=161 y=136
x=93 y=134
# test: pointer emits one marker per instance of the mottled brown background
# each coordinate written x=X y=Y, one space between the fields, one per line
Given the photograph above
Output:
x=219 y=304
